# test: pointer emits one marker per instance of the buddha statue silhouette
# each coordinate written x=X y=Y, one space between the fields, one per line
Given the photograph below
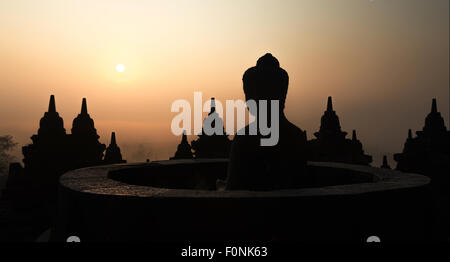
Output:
x=256 y=167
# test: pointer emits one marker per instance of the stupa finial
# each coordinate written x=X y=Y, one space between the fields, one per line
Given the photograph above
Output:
x=51 y=105
x=434 y=106
x=329 y=104
x=84 y=107
x=354 y=138
x=113 y=139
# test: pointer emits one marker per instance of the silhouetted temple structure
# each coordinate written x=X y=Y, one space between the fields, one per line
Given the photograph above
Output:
x=53 y=152
x=215 y=145
x=331 y=145
x=86 y=150
x=385 y=163
x=428 y=153
x=47 y=155
x=184 y=150
x=112 y=154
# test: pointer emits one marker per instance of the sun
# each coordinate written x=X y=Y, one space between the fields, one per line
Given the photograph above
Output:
x=120 y=68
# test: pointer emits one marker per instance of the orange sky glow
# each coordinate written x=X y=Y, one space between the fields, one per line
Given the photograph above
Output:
x=382 y=61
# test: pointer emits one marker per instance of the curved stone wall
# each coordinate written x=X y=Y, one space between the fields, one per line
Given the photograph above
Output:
x=135 y=202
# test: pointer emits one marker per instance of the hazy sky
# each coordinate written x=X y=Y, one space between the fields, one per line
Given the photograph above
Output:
x=381 y=60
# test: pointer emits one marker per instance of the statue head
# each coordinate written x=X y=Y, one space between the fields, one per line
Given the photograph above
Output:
x=266 y=81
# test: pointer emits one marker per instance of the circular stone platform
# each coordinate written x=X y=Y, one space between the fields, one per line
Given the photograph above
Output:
x=177 y=200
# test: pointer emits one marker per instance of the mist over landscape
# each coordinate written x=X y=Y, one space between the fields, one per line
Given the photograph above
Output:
x=381 y=61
